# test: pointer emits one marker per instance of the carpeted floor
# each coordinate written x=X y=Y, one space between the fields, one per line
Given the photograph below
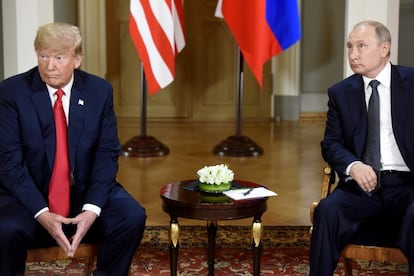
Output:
x=285 y=252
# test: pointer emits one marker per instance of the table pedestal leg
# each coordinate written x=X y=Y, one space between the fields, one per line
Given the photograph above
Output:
x=257 y=229
x=173 y=248
x=212 y=231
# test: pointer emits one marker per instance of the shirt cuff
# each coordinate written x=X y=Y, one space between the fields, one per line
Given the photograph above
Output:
x=92 y=208
x=348 y=169
x=41 y=212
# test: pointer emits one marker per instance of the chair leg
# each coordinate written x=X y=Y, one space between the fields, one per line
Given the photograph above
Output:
x=348 y=267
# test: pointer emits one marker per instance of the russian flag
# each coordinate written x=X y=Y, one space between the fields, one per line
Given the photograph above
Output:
x=261 y=28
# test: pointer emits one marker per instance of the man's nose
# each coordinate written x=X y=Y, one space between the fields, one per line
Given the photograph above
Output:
x=51 y=64
x=352 y=53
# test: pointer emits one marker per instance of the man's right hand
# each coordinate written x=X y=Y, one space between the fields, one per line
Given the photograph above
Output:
x=364 y=175
x=53 y=224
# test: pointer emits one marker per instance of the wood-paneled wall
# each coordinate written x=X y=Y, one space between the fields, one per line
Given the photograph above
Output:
x=206 y=70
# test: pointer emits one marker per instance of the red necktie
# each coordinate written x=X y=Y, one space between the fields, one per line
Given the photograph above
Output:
x=59 y=182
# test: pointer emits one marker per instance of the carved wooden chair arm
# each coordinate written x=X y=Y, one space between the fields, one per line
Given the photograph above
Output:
x=327 y=186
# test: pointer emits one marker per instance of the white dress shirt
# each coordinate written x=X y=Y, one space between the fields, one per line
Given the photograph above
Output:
x=391 y=158
x=65 y=102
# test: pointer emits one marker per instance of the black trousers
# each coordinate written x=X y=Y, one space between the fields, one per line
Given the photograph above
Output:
x=338 y=217
x=119 y=230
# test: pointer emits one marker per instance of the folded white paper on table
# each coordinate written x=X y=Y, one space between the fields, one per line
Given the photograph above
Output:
x=239 y=194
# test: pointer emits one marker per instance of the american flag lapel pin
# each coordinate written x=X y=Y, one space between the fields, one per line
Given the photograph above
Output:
x=81 y=102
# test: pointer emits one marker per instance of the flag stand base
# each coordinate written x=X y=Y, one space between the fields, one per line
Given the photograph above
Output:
x=144 y=146
x=238 y=146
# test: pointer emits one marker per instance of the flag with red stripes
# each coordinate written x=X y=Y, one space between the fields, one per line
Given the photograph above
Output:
x=157 y=31
x=261 y=28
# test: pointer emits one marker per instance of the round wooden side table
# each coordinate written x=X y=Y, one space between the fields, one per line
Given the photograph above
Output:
x=179 y=201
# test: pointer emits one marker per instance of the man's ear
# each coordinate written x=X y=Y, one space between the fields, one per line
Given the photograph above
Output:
x=386 y=48
x=78 y=61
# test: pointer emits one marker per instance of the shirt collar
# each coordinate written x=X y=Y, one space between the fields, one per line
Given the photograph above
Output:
x=67 y=88
x=384 y=77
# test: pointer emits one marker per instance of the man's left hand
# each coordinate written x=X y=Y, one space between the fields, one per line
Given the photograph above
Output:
x=83 y=222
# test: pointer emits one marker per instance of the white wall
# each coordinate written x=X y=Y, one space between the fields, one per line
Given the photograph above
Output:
x=21 y=18
x=384 y=11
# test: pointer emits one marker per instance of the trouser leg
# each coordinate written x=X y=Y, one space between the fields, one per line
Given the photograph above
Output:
x=324 y=251
x=406 y=241
x=122 y=223
x=17 y=228
x=336 y=220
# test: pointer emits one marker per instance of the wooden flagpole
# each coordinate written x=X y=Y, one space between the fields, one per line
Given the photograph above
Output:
x=143 y=145
x=238 y=145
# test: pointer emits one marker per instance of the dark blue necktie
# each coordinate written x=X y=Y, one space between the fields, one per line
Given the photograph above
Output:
x=372 y=154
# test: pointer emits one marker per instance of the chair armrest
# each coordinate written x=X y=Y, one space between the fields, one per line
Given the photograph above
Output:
x=326 y=189
x=312 y=210
x=328 y=180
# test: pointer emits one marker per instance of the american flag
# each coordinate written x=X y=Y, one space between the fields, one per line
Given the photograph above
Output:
x=157 y=31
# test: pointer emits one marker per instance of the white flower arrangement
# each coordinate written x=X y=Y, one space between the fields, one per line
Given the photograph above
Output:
x=218 y=174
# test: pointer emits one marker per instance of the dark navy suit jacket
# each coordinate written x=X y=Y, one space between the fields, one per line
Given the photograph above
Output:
x=27 y=139
x=346 y=126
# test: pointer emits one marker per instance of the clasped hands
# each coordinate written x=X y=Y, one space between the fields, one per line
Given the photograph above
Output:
x=53 y=224
x=364 y=175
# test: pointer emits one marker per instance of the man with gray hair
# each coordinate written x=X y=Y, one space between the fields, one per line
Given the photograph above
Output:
x=368 y=141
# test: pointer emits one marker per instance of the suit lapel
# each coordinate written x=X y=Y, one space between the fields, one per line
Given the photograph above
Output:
x=399 y=102
x=357 y=106
x=76 y=116
x=41 y=101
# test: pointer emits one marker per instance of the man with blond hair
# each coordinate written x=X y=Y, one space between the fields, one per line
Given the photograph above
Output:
x=90 y=205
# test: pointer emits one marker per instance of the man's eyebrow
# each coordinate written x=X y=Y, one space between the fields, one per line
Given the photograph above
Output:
x=357 y=42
